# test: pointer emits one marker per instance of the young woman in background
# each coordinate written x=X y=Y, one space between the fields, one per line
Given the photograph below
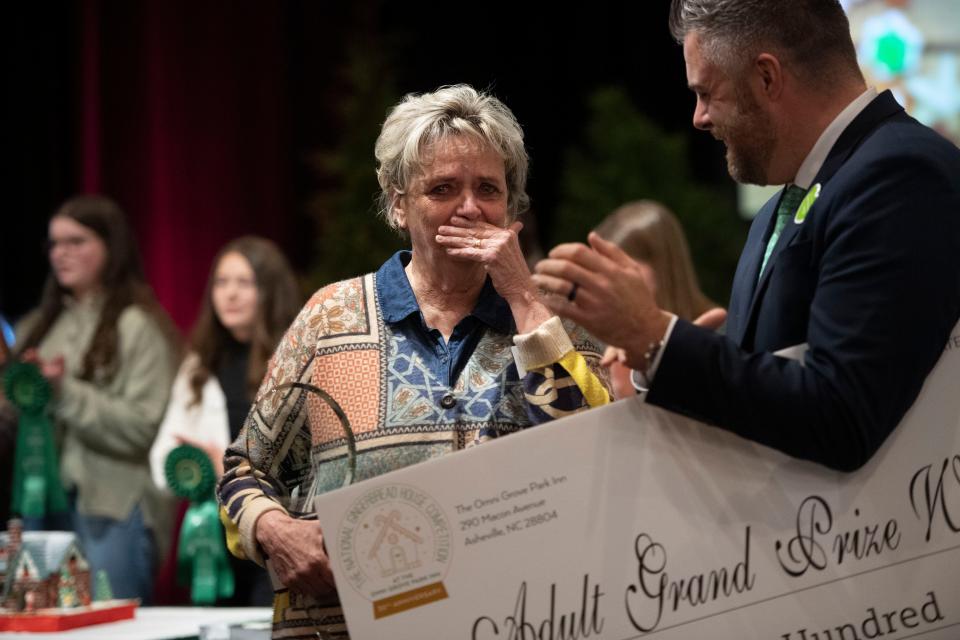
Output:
x=649 y=233
x=250 y=300
x=109 y=351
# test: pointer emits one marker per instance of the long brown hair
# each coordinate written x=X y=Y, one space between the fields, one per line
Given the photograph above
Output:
x=647 y=231
x=278 y=301
x=122 y=281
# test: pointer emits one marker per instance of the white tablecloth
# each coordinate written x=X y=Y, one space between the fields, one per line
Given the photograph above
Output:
x=156 y=623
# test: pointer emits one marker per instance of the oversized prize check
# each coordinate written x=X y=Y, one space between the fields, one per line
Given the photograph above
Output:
x=632 y=522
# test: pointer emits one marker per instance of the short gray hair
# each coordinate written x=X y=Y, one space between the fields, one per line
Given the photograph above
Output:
x=420 y=120
x=811 y=35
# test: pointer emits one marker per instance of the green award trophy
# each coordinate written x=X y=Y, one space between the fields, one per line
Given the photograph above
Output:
x=36 y=477
x=202 y=555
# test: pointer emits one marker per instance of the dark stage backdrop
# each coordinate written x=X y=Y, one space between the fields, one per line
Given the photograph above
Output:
x=182 y=111
x=208 y=120
x=177 y=110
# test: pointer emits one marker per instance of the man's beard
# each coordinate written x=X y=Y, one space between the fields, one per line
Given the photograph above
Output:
x=750 y=141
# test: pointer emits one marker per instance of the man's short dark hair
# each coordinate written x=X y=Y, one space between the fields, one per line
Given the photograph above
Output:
x=812 y=37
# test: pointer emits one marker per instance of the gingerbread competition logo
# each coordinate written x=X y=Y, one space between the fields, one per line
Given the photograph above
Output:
x=395 y=547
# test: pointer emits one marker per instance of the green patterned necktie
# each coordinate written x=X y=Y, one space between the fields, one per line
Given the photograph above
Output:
x=792 y=195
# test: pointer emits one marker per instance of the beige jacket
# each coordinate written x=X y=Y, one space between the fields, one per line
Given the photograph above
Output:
x=106 y=429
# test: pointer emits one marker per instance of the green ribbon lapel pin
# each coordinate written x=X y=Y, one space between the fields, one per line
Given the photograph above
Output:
x=806 y=203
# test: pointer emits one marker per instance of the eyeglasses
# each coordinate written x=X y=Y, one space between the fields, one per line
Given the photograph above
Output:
x=70 y=242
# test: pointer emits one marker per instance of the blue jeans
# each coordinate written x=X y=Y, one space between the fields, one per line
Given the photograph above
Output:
x=124 y=549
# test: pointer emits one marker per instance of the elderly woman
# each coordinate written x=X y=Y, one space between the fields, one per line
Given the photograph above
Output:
x=418 y=354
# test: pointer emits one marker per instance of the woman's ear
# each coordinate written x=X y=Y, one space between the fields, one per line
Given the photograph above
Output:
x=399 y=212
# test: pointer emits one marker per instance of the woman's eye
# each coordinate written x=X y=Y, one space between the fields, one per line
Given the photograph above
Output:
x=489 y=189
x=440 y=189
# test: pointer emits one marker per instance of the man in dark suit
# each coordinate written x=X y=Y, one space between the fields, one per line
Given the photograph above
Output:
x=863 y=275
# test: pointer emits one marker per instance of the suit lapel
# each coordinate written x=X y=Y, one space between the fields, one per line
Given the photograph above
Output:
x=785 y=236
x=881 y=108
x=745 y=279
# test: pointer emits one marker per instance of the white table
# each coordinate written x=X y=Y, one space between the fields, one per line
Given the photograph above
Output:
x=157 y=623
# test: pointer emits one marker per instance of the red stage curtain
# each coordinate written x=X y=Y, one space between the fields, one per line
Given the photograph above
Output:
x=182 y=120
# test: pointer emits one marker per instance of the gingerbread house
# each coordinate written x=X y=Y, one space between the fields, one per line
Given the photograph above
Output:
x=41 y=569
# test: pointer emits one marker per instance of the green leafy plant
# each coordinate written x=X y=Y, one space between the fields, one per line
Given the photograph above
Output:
x=623 y=156
x=352 y=239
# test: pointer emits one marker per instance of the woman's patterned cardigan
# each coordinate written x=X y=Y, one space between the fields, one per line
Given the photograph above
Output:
x=293 y=447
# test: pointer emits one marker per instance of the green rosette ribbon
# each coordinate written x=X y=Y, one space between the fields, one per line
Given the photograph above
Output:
x=202 y=555
x=36 y=476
